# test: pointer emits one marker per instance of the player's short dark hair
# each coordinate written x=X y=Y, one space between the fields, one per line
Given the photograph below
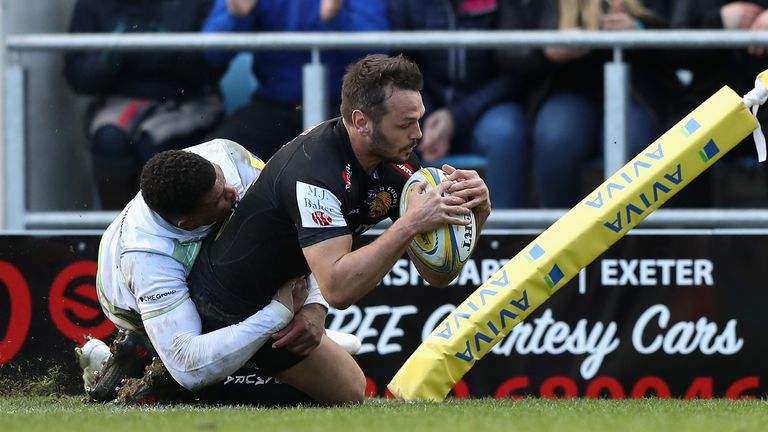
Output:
x=174 y=182
x=370 y=81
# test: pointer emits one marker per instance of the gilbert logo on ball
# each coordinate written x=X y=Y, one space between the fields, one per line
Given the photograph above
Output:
x=576 y=239
x=447 y=248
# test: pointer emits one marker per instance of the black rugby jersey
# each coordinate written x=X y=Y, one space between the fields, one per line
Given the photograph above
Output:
x=313 y=189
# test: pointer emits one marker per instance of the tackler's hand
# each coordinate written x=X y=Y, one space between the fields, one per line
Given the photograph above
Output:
x=304 y=332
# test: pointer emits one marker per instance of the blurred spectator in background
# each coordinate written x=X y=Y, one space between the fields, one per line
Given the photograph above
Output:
x=274 y=117
x=145 y=102
x=469 y=105
x=567 y=94
x=710 y=69
x=713 y=68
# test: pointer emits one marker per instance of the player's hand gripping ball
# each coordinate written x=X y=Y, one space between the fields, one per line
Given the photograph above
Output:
x=448 y=248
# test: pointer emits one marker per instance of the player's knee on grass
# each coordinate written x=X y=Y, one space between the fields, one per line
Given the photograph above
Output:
x=355 y=388
x=329 y=375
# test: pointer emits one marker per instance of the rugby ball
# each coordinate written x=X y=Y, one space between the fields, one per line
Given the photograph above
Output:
x=448 y=248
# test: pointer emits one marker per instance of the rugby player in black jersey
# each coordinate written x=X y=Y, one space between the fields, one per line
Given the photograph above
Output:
x=326 y=186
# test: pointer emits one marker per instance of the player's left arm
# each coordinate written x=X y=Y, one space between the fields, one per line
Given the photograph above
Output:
x=174 y=326
x=469 y=185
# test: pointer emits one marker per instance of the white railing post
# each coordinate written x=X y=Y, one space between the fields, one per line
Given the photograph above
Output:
x=616 y=101
x=3 y=177
x=315 y=91
x=15 y=146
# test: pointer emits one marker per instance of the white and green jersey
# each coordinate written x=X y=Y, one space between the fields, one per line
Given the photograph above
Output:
x=141 y=283
x=123 y=286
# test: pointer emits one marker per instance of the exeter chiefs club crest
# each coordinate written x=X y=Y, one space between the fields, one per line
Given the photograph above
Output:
x=380 y=202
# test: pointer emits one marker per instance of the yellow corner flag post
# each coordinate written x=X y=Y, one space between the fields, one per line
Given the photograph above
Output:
x=575 y=240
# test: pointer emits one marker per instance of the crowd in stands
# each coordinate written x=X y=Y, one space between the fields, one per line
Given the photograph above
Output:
x=535 y=115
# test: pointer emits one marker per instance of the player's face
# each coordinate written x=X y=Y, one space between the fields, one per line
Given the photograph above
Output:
x=397 y=133
x=218 y=202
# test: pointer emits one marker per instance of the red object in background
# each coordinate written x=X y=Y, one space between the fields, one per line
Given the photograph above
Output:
x=21 y=311
x=64 y=307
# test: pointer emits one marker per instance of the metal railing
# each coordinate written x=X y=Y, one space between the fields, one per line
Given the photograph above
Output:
x=616 y=75
x=500 y=219
x=677 y=39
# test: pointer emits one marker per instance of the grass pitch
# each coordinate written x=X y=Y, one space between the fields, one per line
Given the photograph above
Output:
x=68 y=413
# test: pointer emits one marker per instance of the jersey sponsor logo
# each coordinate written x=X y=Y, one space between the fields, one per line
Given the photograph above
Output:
x=321 y=218
x=346 y=175
x=405 y=169
x=252 y=379
x=318 y=207
x=155 y=297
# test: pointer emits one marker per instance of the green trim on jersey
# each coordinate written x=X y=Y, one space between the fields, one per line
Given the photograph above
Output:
x=157 y=313
x=186 y=253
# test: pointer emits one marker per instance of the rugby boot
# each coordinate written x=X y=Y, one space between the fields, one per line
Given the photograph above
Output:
x=156 y=386
x=91 y=357
x=131 y=352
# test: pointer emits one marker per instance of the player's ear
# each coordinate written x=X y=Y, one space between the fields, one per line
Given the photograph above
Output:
x=361 y=123
x=186 y=223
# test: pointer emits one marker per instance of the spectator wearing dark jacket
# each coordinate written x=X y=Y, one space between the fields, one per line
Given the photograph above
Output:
x=145 y=102
x=470 y=106
x=711 y=69
x=566 y=94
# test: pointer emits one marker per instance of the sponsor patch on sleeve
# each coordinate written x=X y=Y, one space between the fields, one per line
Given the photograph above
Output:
x=319 y=208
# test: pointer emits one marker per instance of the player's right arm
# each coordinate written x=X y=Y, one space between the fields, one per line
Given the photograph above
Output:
x=175 y=329
x=345 y=276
